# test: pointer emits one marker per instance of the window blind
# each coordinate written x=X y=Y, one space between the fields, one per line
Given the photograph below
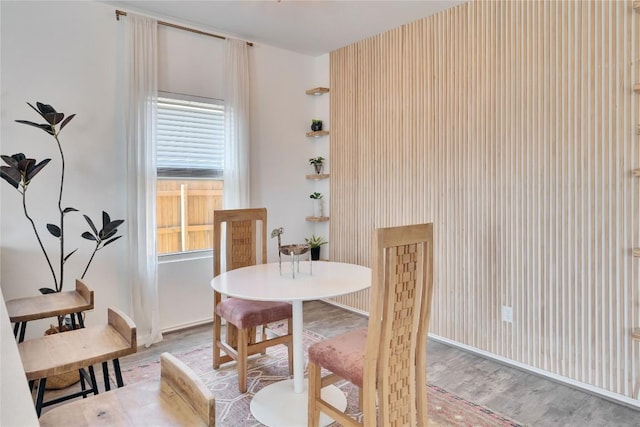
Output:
x=190 y=138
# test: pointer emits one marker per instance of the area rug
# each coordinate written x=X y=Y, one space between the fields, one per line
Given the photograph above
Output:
x=232 y=408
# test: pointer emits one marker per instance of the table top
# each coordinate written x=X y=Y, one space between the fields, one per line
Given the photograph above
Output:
x=263 y=282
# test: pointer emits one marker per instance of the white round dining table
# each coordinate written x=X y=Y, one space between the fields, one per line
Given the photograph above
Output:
x=284 y=403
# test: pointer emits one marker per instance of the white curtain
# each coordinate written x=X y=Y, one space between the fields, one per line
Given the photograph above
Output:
x=236 y=125
x=141 y=174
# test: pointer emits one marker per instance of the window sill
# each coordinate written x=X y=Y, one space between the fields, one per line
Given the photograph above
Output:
x=185 y=256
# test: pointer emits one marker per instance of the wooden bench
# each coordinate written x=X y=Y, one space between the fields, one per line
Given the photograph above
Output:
x=178 y=398
x=22 y=310
x=74 y=350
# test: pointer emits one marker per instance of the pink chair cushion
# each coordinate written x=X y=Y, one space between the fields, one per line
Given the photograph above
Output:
x=343 y=355
x=249 y=314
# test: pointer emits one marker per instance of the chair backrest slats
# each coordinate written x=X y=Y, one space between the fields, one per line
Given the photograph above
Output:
x=402 y=285
x=242 y=239
x=241 y=246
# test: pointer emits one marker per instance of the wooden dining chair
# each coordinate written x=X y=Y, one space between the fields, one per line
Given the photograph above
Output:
x=244 y=318
x=386 y=360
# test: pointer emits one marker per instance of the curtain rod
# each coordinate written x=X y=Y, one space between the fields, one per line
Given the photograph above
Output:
x=120 y=13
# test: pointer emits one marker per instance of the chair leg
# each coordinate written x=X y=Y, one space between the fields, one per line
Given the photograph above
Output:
x=232 y=335
x=23 y=329
x=290 y=345
x=40 y=397
x=105 y=374
x=92 y=376
x=80 y=319
x=263 y=337
x=243 y=342
x=116 y=368
x=217 y=331
x=83 y=385
x=315 y=387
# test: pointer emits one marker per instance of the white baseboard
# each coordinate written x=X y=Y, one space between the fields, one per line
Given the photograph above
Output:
x=605 y=394
x=346 y=307
x=188 y=325
x=142 y=339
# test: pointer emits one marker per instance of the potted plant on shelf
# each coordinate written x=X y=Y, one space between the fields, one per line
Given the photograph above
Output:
x=317 y=163
x=20 y=170
x=315 y=242
x=316 y=125
x=318 y=210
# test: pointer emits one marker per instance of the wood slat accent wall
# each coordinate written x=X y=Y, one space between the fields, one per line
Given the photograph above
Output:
x=513 y=127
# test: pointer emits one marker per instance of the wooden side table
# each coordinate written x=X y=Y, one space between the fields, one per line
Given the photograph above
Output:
x=22 y=310
x=74 y=350
x=179 y=397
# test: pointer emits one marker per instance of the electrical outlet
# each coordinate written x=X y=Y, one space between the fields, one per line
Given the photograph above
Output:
x=507 y=314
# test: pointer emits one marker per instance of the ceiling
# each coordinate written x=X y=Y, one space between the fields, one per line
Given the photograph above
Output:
x=305 y=26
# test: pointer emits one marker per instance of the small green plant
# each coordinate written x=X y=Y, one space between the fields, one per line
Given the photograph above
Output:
x=315 y=195
x=316 y=161
x=316 y=125
x=315 y=241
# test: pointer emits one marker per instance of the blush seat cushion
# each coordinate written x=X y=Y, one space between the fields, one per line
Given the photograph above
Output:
x=246 y=314
x=343 y=355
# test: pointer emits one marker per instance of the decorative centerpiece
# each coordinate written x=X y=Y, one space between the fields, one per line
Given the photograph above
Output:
x=294 y=251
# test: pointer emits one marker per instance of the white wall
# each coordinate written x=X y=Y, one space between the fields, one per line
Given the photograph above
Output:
x=320 y=106
x=280 y=149
x=64 y=54
x=67 y=54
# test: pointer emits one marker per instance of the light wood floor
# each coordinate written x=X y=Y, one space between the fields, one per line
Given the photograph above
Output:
x=528 y=398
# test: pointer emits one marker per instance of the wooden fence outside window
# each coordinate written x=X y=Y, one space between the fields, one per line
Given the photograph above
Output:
x=185 y=214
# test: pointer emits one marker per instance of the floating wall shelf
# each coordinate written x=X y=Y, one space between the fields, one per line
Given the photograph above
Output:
x=318 y=91
x=326 y=175
x=317 y=134
x=317 y=218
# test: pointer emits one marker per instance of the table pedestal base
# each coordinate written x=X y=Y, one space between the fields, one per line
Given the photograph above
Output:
x=277 y=405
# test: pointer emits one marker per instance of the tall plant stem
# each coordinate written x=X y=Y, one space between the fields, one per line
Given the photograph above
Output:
x=61 y=210
x=35 y=231
x=90 y=259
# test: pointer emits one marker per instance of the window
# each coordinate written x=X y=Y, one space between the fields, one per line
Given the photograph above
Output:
x=190 y=161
